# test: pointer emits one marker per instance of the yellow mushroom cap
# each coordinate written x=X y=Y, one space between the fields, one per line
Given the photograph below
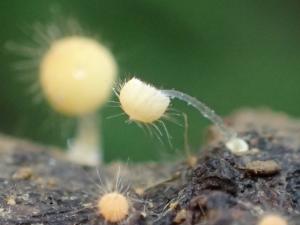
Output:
x=114 y=207
x=76 y=75
x=272 y=220
x=143 y=102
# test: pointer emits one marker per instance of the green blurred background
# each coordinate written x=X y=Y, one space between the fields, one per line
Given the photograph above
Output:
x=229 y=54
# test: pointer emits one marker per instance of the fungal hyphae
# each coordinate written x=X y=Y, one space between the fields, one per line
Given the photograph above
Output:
x=143 y=103
x=76 y=75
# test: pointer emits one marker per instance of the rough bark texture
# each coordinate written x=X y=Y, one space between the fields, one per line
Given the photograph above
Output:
x=39 y=187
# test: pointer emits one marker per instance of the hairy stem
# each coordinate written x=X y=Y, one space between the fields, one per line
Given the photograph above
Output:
x=205 y=111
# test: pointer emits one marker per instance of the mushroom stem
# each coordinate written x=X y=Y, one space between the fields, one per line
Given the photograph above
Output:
x=86 y=148
x=207 y=112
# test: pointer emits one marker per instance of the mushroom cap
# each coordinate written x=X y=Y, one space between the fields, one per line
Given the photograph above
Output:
x=76 y=75
x=143 y=102
x=114 y=207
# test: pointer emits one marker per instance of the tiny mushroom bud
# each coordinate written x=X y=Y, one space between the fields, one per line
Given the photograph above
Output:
x=237 y=146
x=114 y=207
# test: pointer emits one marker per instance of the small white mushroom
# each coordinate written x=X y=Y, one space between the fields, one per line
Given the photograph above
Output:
x=144 y=103
x=237 y=145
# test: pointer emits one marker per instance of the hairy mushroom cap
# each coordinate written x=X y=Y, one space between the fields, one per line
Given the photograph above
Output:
x=143 y=102
x=113 y=206
x=76 y=75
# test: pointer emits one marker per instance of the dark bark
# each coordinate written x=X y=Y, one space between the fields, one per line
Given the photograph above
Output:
x=39 y=187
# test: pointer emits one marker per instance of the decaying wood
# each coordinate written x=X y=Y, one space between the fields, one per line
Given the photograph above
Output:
x=38 y=186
